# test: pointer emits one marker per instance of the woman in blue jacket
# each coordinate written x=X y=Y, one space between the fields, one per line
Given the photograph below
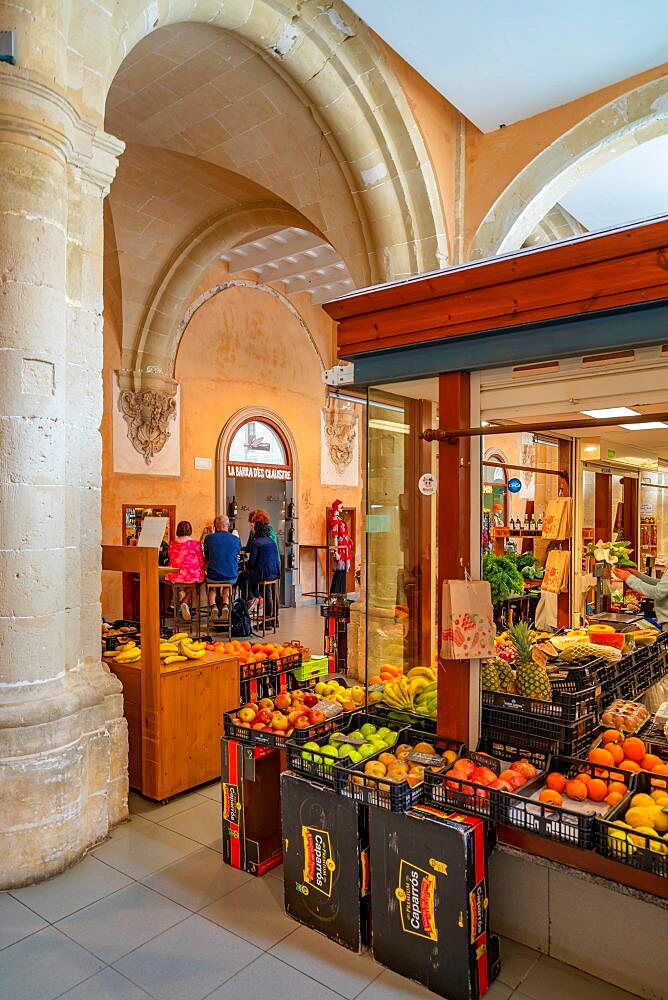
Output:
x=263 y=563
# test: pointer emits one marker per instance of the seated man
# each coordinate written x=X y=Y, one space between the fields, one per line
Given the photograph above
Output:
x=221 y=552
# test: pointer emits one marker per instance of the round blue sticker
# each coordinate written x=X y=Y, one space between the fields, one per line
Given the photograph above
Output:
x=514 y=485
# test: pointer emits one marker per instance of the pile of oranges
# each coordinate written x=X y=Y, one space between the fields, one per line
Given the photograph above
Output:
x=387 y=672
x=256 y=652
x=628 y=754
x=582 y=786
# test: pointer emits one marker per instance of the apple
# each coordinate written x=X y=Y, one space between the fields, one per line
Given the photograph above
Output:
x=268 y=704
x=514 y=779
x=501 y=785
x=344 y=749
x=483 y=776
x=309 y=700
x=355 y=756
x=244 y=725
x=258 y=725
x=246 y=714
x=264 y=716
x=466 y=766
x=525 y=768
x=282 y=701
x=368 y=729
x=316 y=716
x=367 y=749
x=481 y=793
x=295 y=714
x=302 y=722
x=280 y=722
x=329 y=751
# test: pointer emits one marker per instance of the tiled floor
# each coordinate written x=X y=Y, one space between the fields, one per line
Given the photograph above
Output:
x=154 y=913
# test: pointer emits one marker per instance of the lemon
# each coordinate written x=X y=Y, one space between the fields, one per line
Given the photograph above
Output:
x=660 y=798
x=637 y=838
x=640 y=816
x=660 y=820
x=642 y=800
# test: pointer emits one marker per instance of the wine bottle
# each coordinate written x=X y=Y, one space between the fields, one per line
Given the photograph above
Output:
x=539 y=526
x=291 y=535
x=291 y=510
x=527 y=523
x=233 y=507
x=532 y=523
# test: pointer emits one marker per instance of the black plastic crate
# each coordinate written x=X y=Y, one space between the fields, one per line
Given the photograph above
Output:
x=407 y=718
x=530 y=724
x=444 y=790
x=266 y=686
x=516 y=746
x=578 y=677
x=653 y=736
x=395 y=796
x=324 y=770
x=565 y=706
x=258 y=737
x=563 y=823
x=648 y=856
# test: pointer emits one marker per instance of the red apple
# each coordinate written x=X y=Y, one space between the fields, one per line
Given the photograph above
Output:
x=264 y=715
x=258 y=725
x=504 y=786
x=302 y=722
x=483 y=776
x=466 y=766
x=295 y=714
x=244 y=725
x=268 y=704
x=481 y=793
x=310 y=700
x=525 y=768
x=282 y=701
x=316 y=716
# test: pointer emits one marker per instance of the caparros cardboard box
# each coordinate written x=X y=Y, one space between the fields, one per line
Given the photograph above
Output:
x=251 y=806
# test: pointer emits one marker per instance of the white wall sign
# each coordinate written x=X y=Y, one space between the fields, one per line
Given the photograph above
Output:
x=202 y=463
x=427 y=484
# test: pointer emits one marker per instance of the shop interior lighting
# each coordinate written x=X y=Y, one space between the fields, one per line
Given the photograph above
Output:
x=612 y=411
x=651 y=425
x=389 y=425
x=590 y=449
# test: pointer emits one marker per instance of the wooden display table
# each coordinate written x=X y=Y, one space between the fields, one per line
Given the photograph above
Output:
x=174 y=712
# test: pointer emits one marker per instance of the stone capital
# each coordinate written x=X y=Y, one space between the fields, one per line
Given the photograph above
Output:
x=40 y=117
x=148 y=404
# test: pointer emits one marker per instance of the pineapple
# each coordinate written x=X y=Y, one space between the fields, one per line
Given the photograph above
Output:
x=489 y=676
x=531 y=679
x=506 y=677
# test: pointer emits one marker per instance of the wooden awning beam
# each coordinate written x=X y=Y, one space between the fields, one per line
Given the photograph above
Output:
x=448 y=436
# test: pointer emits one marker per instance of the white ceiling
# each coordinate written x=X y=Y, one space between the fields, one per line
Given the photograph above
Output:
x=629 y=188
x=499 y=61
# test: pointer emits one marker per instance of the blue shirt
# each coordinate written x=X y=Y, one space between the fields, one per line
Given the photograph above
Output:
x=221 y=551
x=263 y=561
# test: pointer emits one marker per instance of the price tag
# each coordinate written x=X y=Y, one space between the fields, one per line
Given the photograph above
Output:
x=428 y=759
x=330 y=709
x=354 y=741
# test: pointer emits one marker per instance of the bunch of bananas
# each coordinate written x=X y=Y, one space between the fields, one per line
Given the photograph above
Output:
x=425 y=703
x=180 y=647
x=407 y=691
x=129 y=652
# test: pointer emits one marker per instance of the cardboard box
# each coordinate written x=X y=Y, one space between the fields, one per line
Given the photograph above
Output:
x=429 y=900
x=326 y=861
x=251 y=806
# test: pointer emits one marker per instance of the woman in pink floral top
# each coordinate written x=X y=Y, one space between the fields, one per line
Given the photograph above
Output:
x=185 y=553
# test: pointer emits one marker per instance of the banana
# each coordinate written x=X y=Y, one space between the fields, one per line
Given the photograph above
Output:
x=169 y=647
x=178 y=636
x=416 y=685
x=427 y=672
x=176 y=659
x=130 y=657
x=189 y=652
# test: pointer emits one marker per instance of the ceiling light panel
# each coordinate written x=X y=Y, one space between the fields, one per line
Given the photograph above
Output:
x=611 y=411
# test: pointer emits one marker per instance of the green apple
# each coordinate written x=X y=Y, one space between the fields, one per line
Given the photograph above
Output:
x=390 y=739
x=311 y=746
x=344 y=750
x=367 y=749
x=368 y=729
x=317 y=759
x=329 y=751
x=355 y=756
x=384 y=731
x=306 y=756
x=357 y=735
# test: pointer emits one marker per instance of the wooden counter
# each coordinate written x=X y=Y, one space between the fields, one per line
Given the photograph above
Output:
x=174 y=712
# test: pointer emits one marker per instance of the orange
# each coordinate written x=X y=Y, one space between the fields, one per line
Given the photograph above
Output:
x=616 y=751
x=613 y=798
x=601 y=756
x=584 y=777
x=650 y=761
x=550 y=797
x=630 y=765
x=576 y=790
x=597 y=790
x=617 y=788
x=555 y=782
x=661 y=769
x=634 y=749
x=611 y=736
x=246 y=645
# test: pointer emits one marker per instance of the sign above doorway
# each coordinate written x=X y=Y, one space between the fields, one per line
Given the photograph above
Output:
x=257 y=472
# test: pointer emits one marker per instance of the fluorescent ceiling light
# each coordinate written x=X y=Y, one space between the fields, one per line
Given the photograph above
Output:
x=389 y=425
x=611 y=411
x=590 y=448
x=651 y=425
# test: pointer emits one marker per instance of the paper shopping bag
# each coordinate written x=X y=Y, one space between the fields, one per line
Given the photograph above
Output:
x=557 y=520
x=557 y=568
x=467 y=623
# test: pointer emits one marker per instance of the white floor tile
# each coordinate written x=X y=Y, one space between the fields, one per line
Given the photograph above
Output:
x=106 y=985
x=197 y=880
x=255 y=911
x=516 y=961
x=552 y=980
x=43 y=966
x=133 y=825
x=85 y=883
x=145 y=852
x=156 y=812
x=16 y=920
x=212 y=791
x=202 y=823
x=270 y=978
x=116 y=925
x=330 y=964
x=187 y=962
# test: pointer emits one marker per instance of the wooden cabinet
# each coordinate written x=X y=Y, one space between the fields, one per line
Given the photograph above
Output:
x=175 y=712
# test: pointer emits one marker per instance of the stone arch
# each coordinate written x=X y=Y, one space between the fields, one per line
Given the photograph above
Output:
x=231 y=426
x=629 y=120
x=330 y=56
x=156 y=341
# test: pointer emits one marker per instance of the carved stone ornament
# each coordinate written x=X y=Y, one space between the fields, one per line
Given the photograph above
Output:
x=147 y=413
x=340 y=432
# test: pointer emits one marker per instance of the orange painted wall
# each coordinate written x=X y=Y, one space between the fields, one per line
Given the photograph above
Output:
x=241 y=347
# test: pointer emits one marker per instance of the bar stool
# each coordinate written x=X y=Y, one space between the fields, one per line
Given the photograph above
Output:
x=224 y=588
x=191 y=597
x=268 y=588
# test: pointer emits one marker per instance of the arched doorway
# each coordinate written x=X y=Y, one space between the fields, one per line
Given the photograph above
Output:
x=257 y=468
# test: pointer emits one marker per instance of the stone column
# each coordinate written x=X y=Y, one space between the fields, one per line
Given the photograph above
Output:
x=63 y=741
